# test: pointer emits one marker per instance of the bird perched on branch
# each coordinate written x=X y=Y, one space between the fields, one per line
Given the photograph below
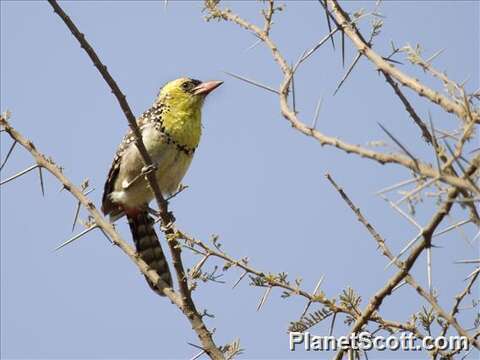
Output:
x=171 y=131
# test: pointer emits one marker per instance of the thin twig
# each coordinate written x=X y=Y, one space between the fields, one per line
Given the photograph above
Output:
x=187 y=305
x=404 y=268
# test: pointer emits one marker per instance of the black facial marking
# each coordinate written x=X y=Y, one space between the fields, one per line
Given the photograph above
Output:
x=190 y=84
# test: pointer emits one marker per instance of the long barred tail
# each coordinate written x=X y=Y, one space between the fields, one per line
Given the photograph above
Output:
x=148 y=247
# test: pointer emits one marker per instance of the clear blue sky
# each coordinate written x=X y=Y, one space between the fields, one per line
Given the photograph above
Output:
x=254 y=181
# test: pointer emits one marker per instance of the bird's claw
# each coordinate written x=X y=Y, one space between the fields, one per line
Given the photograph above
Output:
x=148 y=169
x=171 y=221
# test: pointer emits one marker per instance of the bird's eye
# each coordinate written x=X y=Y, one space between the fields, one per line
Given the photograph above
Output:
x=190 y=84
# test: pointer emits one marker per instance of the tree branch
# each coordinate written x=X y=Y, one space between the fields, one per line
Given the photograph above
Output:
x=418 y=166
x=408 y=278
x=406 y=266
x=47 y=163
x=166 y=217
x=357 y=39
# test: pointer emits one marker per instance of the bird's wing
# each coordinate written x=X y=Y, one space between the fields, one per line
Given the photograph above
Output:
x=150 y=117
x=108 y=207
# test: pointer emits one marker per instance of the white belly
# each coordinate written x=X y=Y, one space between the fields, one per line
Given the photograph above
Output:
x=172 y=164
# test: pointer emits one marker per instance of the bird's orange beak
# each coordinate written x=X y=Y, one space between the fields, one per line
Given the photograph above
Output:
x=207 y=87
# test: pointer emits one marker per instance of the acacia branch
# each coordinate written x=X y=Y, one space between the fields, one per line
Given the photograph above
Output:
x=405 y=267
x=47 y=163
x=166 y=217
x=409 y=278
x=274 y=281
x=364 y=48
x=417 y=166
x=458 y=183
x=132 y=122
x=458 y=300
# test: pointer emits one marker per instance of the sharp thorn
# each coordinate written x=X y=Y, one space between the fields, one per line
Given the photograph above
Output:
x=19 y=174
x=110 y=240
x=327 y=15
x=473 y=273
x=253 y=45
x=306 y=309
x=69 y=241
x=451 y=227
x=399 y=144
x=332 y=324
x=42 y=186
x=429 y=270
x=196 y=346
x=431 y=58
x=473 y=261
x=401 y=212
x=77 y=212
x=476 y=237
x=319 y=283
x=405 y=249
x=397 y=185
x=317 y=112
x=198 y=355
x=416 y=190
x=8 y=154
x=89 y=191
x=308 y=53
x=264 y=298
x=392 y=61
x=399 y=285
x=314 y=293
x=344 y=78
x=252 y=82
x=240 y=279
x=293 y=94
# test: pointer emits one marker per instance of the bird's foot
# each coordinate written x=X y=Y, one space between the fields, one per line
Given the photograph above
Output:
x=170 y=222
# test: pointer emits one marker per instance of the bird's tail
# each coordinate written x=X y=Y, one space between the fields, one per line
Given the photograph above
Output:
x=148 y=247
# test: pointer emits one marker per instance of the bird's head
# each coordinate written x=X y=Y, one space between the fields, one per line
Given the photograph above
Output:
x=186 y=94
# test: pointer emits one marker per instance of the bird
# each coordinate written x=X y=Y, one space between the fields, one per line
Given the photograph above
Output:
x=171 y=130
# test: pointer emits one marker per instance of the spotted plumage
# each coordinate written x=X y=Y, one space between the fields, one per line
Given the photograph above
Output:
x=171 y=131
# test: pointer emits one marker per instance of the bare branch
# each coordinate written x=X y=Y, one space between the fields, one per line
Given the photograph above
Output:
x=351 y=31
x=167 y=218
